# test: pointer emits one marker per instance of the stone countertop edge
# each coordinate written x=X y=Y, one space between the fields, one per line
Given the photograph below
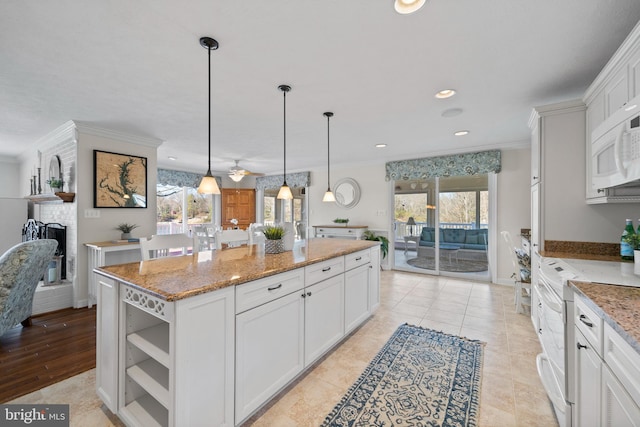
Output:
x=180 y=277
x=573 y=255
x=618 y=305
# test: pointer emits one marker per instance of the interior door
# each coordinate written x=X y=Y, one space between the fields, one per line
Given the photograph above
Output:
x=239 y=204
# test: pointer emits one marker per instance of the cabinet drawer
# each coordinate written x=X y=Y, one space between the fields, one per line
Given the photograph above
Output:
x=624 y=362
x=253 y=294
x=357 y=259
x=590 y=324
x=323 y=270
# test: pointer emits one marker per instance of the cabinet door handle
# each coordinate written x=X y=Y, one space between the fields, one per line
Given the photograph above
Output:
x=540 y=331
x=582 y=319
x=535 y=177
x=580 y=346
x=308 y=294
x=359 y=258
x=326 y=269
x=304 y=295
x=275 y=287
x=600 y=190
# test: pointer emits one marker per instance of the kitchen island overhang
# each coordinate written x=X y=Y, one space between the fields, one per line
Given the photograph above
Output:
x=175 y=278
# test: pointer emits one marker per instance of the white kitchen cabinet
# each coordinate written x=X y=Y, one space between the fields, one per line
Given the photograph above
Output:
x=269 y=350
x=356 y=297
x=374 y=280
x=535 y=150
x=107 y=341
x=606 y=372
x=618 y=409
x=557 y=189
x=149 y=351
x=323 y=317
x=616 y=91
x=588 y=369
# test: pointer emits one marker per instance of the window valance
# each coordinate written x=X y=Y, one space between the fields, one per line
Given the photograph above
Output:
x=453 y=165
x=294 y=180
x=181 y=178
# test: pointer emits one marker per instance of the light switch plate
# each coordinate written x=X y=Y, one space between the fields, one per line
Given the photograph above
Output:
x=92 y=213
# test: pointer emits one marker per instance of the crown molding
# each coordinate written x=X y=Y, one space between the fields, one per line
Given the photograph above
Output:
x=83 y=127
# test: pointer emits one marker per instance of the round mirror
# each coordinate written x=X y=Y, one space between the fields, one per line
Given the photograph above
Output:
x=347 y=193
x=55 y=172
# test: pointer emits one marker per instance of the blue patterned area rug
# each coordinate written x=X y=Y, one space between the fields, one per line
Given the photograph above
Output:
x=419 y=378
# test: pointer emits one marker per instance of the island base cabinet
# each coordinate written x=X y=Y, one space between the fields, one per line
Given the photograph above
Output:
x=324 y=317
x=356 y=297
x=204 y=359
x=374 y=280
x=269 y=351
x=176 y=359
x=107 y=342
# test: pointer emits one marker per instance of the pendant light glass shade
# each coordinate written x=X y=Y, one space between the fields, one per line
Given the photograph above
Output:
x=328 y=195
x=208 y=185
x=405 y=7
x=285 y=191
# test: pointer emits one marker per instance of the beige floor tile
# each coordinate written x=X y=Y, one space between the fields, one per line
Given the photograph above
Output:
x=511 y=395
x=444 y=317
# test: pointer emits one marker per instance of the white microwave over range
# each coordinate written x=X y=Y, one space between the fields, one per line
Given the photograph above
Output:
x=615 y=149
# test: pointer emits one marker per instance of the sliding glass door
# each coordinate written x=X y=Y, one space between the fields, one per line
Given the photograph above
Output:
x=441 y=226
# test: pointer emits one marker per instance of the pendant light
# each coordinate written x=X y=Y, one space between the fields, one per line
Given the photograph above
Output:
x=328 y=196
x=285 y=191
x=208 y=185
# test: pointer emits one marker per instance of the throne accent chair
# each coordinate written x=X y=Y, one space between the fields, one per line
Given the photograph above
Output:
x=21 y=269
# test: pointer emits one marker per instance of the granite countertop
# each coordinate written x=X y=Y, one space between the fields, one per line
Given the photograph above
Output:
x=618 y=305
x=180 y=277
x=574 y=255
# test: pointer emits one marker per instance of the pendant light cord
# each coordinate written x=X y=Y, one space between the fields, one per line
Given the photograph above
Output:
x=209 y=170
x=328 y=148
x=285 y=136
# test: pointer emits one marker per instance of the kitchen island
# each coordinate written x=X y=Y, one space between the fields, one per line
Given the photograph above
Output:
x=209 y=338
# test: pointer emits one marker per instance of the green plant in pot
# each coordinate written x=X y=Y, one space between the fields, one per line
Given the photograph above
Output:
x=634 y=241
x=126 y=230
x=55 y=184
x=384 y=242
x=343 y=221
x=274 y=243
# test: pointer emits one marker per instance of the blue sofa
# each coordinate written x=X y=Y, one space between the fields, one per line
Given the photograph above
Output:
x=475 y=239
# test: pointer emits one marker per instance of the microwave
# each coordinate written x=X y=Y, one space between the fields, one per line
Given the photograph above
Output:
x=615 y=148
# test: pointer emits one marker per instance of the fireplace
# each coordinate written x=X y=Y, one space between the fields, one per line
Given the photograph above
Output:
x=34 y=230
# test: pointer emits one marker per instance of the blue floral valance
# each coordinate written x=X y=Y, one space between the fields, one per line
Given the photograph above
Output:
x=181 y=178
x=443 y=166
x=294 y=180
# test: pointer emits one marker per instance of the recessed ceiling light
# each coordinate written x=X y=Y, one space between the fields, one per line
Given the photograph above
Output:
x=452 y=112
x=445 y=93
x=173 y=158
x=381 y=145
x=461 y=133
x=405 y=7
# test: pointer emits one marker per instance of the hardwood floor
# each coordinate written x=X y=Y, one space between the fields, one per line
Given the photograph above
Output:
x=57 y=346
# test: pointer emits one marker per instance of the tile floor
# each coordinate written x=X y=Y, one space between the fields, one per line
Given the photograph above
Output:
x=512 y=394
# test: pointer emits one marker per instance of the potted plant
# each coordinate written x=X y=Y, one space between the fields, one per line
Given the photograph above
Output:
x=384 y=242
x=274 y=243
x=126 y=230
x=55 y=184
x=344 y=221
x=634 y=241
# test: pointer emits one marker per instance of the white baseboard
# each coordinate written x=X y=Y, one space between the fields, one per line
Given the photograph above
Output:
x=52 y=297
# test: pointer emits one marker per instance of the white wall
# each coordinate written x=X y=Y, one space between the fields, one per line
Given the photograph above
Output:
x=514 y=205
x=10 y=178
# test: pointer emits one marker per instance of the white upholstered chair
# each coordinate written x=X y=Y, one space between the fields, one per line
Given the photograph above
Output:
x=231 y=238
x=255 y=233
x=521 y=274
x=162 y=245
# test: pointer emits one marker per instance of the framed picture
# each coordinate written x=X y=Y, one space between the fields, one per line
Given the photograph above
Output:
x=119 y=180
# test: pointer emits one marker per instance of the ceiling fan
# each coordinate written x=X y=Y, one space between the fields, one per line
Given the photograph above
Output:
x=236 y=173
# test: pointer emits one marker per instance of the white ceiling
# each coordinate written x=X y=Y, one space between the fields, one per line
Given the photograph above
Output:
x=137 y=66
